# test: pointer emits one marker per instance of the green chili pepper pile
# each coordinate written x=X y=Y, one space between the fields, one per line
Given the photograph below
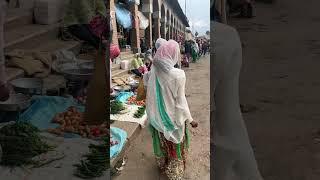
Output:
x=21 y=142
x=95 y=163
x=116 y=107
x=140 y=112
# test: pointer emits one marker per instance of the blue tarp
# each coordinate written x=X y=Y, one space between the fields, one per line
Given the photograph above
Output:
x=120 y=136
x=44 y=108
x=124 y=17
x=124 y=96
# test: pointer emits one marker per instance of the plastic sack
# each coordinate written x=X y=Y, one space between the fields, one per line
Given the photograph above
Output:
x=144 y=22
x=119 y=136
x=124 y=96
x=123 y=16
x=141 y=93
x=44 y=108
x=64 y=60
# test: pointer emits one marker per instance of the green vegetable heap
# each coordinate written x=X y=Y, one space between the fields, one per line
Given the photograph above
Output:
x=96 y=162
x=140 y=112
x=21 y=142
x=116 y=107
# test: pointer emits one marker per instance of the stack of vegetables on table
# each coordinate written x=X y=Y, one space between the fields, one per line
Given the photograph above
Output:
x=140 y=112
x=72 y=121
x=95 y=163
x=133 y=101
x=116 y=107
x=21 y=142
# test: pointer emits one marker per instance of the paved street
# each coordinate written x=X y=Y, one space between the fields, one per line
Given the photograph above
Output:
x=141 y=163
x=280 y=85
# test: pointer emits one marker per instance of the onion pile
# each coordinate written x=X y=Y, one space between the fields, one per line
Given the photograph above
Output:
x=72 y=121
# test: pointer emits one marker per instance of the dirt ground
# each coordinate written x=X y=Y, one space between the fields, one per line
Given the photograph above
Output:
x=141 y=163
x=280 y=85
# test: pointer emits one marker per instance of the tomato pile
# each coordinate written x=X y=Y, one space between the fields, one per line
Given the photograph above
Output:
x=72 y=121
x=133 y=100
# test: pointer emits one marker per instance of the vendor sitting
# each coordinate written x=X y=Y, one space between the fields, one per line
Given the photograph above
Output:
x=148 y=59
x=137 y=66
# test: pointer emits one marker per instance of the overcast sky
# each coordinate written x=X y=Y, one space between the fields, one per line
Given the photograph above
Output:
x=198 y=13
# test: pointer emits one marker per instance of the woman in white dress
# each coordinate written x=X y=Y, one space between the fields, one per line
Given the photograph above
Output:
x=232 y=154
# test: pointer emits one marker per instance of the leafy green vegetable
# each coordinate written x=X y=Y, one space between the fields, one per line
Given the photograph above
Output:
x=116 y=107
x=95 y=163
x=21 y=142
x=140 y=112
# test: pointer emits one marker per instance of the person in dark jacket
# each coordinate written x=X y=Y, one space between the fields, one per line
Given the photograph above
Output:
x=187 y=50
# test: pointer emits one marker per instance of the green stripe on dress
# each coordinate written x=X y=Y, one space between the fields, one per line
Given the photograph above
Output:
x=157 y=150
x=161 y=108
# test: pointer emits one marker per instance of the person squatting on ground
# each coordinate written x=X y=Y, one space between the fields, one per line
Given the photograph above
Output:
x=137 y=66
x=168 y=111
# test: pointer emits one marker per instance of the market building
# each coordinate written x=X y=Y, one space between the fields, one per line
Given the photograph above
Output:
x=147 y=20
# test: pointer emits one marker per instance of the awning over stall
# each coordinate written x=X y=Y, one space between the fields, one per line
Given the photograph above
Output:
x=123 y=16
x=144 y=22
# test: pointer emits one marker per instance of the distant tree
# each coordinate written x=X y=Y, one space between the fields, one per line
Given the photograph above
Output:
x=208 y=33
x=196 y=34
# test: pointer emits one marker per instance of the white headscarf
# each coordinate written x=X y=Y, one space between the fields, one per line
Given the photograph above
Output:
x=167 y=56
x=160 y=42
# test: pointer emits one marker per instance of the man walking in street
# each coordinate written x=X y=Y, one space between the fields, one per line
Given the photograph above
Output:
x=187 y=50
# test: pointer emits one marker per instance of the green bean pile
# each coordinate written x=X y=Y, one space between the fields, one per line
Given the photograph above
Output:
x=20 y=143
x=95 y=163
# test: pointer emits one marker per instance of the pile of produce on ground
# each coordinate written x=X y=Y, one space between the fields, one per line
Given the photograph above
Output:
x=72 y=121
x=133 y=101
x=95 y=163
x=140 y=112
x=116 y=107
x=21 y=142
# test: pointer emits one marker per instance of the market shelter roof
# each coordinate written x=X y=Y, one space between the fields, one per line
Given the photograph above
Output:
x=124 y=17
x=174 y=4
x=144 y=22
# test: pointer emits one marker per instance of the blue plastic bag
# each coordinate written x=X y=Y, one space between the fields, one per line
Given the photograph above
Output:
x=44 y=108
x=124 y=96
x=120 y=136
x=123 y=16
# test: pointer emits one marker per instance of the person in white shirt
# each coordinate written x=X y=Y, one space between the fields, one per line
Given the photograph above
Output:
x=233 y=156
x=168 y=111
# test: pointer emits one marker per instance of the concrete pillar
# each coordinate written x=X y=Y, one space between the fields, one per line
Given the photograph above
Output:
x=157 y=24
x=148 y=31
x=157 y=27
x=134 y=32
x=163 y=29
x=3 y=7
x=168 y=31
x=113 y=23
